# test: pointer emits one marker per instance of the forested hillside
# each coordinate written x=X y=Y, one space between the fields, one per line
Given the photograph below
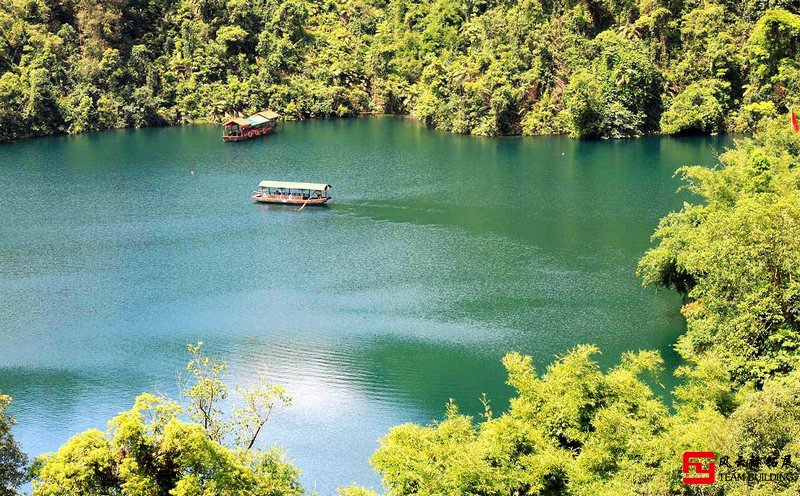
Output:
x=611 y=68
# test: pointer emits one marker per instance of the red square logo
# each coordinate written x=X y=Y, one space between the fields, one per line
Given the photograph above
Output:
x=702 y=474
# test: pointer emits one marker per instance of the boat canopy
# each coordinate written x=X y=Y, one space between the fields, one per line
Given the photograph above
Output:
x=257 y=119
x=239 y=121
x=291 y=185
x=269 y=114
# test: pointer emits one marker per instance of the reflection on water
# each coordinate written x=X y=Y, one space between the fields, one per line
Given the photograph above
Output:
x=439 y=254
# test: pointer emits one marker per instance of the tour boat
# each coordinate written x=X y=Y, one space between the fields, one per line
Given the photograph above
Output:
x=289 y=193
x=244 y=128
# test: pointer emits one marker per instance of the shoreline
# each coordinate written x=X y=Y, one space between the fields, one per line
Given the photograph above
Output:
x=370 y=114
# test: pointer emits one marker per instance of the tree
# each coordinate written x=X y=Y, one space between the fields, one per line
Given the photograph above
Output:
x=11 y=96
x=150 y=450
x=479 y=66
x=574 y=430
x=695 y=110
x=13 y=462
x=736 y=258
x=205 y=391
x=586 y=106
x=774 y=40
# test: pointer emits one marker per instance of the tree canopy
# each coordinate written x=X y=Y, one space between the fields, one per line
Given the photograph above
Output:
x=590 y=68
x=736 y=257
x=150 y=450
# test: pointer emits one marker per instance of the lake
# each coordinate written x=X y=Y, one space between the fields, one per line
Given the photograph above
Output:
x=438 y=254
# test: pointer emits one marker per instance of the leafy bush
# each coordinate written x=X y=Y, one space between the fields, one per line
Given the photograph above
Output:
x=695 y=110
x=752 y=115
x=149 y=450
x=774 y=39
x=586 y=105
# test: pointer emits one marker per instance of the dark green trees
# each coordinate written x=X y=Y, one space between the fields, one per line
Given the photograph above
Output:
x=589 y=68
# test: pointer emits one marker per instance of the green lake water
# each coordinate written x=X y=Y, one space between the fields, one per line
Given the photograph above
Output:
x=438 y=255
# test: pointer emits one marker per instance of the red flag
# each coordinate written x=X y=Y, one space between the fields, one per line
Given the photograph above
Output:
x=795 y=125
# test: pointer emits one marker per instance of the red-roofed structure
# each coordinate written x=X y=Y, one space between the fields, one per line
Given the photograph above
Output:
x=243 y=128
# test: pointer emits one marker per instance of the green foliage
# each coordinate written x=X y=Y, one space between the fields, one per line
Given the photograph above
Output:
x=619 y=97
x=13 y=462
x=149 y=450
x=711 y=50
x=695 y=110
x=579 y=430
x=574 y=430
x=752 y=115
x=775 y=41
x=586 y=106
x=588 y=68
x=736 y=258
x=206 y=392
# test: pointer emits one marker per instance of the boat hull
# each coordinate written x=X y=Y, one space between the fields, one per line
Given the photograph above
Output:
x=249 y=135
x=288 y=201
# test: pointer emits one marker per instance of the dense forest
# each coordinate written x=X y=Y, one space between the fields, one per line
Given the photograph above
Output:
x=591 y=68
x=576 y=429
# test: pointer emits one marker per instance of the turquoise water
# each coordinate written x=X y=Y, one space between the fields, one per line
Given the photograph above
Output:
x=438 y=254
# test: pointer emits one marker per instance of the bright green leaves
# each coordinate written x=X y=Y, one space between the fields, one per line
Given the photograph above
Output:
x=697 y=109
x=83 y=465
x=231 y=35
x=206 y=391
x=588 y=68
x=586 y=105
x=573 y=430
x=619 y=96
x=775 y=37
x=258 y=404
x=737 y=257
x=149 y=450
x=207 y=394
